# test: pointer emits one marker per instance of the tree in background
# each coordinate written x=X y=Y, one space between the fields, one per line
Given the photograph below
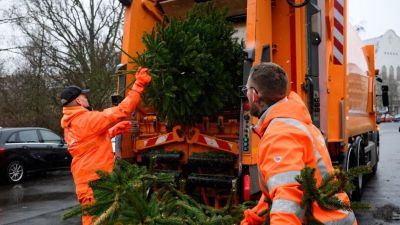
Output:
x=26 y=100
x=72 y=42
x=67 y=42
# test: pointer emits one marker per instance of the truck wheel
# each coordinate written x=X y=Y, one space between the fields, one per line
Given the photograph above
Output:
x=356 y=159
x=375 y=167
x=376 y=140
x=15 y=171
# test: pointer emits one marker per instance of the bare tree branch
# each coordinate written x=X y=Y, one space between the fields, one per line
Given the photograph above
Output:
x=10 y=20
x=72 y=41
x=8 y=49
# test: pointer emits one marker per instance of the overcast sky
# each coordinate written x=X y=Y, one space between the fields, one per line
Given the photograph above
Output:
x=376 y=16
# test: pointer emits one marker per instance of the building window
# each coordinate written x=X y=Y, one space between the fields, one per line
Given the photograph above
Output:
x=398 y=73
x=384 y=73
x=391 y=73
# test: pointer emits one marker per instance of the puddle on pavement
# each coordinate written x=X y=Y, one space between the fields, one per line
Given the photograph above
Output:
x=388 y=213
x=17 y=195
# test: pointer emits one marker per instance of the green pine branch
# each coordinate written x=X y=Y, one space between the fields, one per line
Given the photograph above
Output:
x=193 y=57
x=107 y=213
x=325 y=195
x=127 y=196
x=75 y=211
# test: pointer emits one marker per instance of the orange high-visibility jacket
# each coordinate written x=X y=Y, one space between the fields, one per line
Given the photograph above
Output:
x=290 y=142
x=89 y=142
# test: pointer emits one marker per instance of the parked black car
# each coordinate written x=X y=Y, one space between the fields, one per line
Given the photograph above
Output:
x=31 y=149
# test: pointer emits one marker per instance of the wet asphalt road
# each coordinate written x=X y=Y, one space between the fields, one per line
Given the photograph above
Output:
x=382 y=191
x=38 y=200
x=42 y=200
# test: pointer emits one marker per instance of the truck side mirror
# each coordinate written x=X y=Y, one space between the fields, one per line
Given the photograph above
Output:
x=385 y=96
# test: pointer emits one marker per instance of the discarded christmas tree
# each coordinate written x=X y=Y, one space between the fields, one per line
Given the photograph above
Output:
x=195 y=63
x=133 y=195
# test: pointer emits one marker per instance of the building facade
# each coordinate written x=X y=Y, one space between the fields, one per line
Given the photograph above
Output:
x=387 y=60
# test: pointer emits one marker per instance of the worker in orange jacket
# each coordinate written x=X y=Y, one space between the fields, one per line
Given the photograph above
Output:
x=88 y=134
x=289 y=142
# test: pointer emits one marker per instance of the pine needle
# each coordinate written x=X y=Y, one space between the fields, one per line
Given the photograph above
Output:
x=77 y=210
x=104 y=216
x=360 y=206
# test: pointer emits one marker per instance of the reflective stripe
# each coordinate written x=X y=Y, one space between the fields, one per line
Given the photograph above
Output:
x=338 y=16
x=338 y=35
x=282 y=179
x=278 y=179
x=348 y=220
x=342 y=210
x=287 y=206
x=321 y=165
x=338 y=54
x=261 y=119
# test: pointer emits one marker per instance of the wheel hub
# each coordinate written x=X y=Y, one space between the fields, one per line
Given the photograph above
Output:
x=15 y=172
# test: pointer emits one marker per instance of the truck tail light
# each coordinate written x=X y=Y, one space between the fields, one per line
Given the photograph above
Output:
x=246 y=187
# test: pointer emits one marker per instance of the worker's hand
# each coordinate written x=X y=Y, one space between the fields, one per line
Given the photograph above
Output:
x=142 y=80
x=124 y=126
x=251 y=218
x=119 y=128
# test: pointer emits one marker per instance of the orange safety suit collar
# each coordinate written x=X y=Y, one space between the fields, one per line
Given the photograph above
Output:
x=280 y=109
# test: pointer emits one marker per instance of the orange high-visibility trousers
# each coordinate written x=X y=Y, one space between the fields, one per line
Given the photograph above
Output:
x=85 y=200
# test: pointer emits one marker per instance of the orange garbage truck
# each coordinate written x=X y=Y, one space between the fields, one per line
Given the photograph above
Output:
x=327 y=65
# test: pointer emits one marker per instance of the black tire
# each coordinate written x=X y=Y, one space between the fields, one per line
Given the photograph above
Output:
x=375 y=167
x=376 y=140
x=15 y=171
x=356 y=159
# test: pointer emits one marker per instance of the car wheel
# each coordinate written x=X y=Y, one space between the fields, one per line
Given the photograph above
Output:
x=15 y=171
